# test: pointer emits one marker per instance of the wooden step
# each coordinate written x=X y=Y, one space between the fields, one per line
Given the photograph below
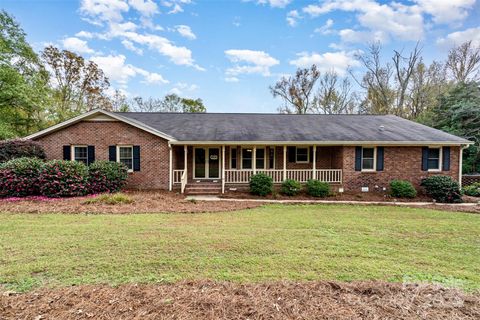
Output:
x=207 y=188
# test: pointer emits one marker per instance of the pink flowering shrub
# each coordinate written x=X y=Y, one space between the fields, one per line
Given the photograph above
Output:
x=20 y=177
x=18 y=148
x=106 y=176
x=60 y=178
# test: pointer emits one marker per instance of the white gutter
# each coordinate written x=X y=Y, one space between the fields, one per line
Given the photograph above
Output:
x=325 y=143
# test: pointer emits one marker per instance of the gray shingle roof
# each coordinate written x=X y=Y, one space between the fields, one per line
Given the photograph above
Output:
x=283 y=127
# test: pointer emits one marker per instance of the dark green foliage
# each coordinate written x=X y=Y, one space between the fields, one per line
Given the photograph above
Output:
x=20 y=177
x=442 y=189
x=261 y=184
x=60 y=178
x=402 y=189
x=472 y=190
x=106 y=176
x=12 y=149
x=291 y=187
x=318 y=188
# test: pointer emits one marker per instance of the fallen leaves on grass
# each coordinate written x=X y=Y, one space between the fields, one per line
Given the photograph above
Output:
x=226 y=300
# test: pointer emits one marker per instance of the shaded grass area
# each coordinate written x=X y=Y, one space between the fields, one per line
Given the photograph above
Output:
x=276 y=242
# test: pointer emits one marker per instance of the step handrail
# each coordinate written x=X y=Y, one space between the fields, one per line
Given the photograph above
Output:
x=184 y=181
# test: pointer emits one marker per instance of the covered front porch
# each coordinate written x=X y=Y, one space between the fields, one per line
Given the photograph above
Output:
x=232 y=165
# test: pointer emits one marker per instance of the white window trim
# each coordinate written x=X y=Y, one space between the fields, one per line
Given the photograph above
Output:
x=230 y=158
x=264 y=158
x=72 y=151
x=374 y=159
x=118 y=153
x=440 y=159
x=308 y=155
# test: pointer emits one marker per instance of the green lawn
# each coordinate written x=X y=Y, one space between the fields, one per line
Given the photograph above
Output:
x=268 y=243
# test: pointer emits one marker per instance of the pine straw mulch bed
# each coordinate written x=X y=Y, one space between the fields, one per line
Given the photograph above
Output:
x=144 y=202
x=226 y=300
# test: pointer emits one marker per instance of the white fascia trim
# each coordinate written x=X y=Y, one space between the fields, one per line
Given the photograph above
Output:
x=325 y=143
x=79 y=118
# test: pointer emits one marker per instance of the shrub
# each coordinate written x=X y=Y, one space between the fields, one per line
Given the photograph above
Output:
x=13 y=149
x=291 y=187
x=61 y=178
x=261 y=184
x=110 y=199
x=472 y=190
x=20 y=177
x=402 y=189
x=318 y=188
x=106 y=176
x=442 y=189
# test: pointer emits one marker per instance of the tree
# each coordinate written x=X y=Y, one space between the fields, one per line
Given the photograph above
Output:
x=78 y=85
x=193 y=105
x=23 y=82
x=170 y=103
x=296 y=91
x=334 y=95
x=119 y=102
x=463 y=62
x=458 y=112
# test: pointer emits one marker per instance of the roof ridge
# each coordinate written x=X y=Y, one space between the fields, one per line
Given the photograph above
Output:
x=256 y=113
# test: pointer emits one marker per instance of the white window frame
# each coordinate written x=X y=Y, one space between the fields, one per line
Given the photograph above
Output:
x=72 y=151
x=374 y=159
x=236 y=159
x=296 y=155
x=440 y=159
x=264 y=158
x=118 y=153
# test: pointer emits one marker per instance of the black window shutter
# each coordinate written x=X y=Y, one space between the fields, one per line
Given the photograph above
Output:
x=311 y=154
x=424 y=158
x=91 y=154
x=380 y=157
x=67 y=153
x=446 y=159
x=291 y=154
x=358 y=158
x=112 y=153
x=136 y=158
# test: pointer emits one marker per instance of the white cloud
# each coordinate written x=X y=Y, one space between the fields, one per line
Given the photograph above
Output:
x=84 y=34
x=186 y=32
x=446 y=11
x=352 y=36
x=232 y=79
x=182 y=88
x=77 y=45
x=326 y=28
x=130 y=46
x=459 y=37
x=250 y=62
x=104 y=10
x=292 y=18
x=339 y=61
x=145 y=7
x=275 y=3
x=176 y=5
x=117 y=70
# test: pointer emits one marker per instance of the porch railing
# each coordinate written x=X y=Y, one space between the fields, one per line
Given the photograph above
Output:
x=177 y=176
x=301 y=175
x=184 y=180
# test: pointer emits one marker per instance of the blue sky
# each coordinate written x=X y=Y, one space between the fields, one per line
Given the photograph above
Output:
x=229 y=52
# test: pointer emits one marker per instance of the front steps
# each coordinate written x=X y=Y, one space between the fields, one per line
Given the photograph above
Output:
x=204 y=187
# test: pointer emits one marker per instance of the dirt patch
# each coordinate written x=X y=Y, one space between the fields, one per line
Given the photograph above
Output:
x=213 y=300
x=144 y=202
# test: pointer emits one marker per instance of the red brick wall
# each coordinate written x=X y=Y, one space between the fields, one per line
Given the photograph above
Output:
x=399 y=163
x=154 y=151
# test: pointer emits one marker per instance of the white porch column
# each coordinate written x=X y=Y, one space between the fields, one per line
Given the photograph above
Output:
x=170 y=167
x=314 y=169
x=185 y=157
x=254 y=164
x=284 y=162
x=460 y=165
x=223 y=169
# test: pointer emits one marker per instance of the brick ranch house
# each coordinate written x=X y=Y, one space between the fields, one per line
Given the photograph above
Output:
x=218 y=152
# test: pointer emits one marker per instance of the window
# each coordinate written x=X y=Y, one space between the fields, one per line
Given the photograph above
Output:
x=125 y=156
x=368 y=159
x=302 y=155
x=233 y=158
x=433 y=162
x=260 y=155
x=80 y=153
x=271 y=158
x=247 y=155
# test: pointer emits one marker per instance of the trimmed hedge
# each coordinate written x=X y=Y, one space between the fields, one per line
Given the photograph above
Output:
x=318 y=188
x=61 y=178
x=472 y=190
x=20 y=177
x=261 y=184
x=13 y=149
x=290 y=187
x=107 y=176
x=402 y=189
x=442 y=189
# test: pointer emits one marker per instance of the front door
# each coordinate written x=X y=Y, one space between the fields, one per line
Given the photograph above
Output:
x=206 y=163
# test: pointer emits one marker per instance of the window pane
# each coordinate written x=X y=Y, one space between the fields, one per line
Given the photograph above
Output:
x=434 y=153
x=125 y=152
x=367 y=164
x=271 y=158
x=80 y=154
x=247 y=163
x=368 y=153
x=260 y=163
x=302 y=154
x=433 y=164
x=247 y=153
x=127 y=162
x=260 y=153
